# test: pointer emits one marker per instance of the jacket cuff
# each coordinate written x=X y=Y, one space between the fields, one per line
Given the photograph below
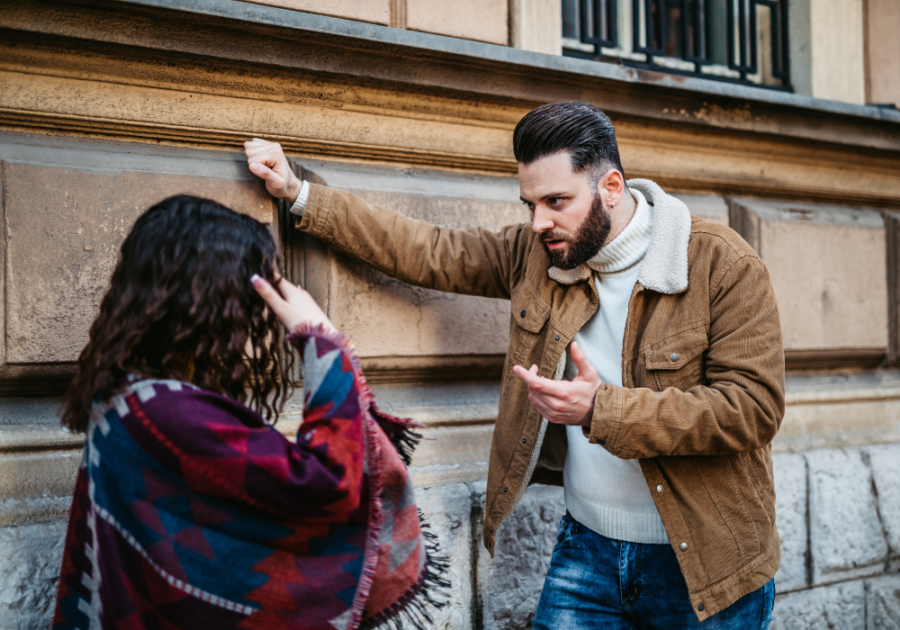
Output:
x=607 y=418
x=317 y=210
x=299 y=205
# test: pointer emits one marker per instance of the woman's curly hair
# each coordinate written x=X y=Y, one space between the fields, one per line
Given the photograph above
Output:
x=180 y=305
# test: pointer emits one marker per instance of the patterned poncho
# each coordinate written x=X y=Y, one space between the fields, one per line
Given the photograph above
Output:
x=190 y=511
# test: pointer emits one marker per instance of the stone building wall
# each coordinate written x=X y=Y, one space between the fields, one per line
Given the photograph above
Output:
x=108 y=107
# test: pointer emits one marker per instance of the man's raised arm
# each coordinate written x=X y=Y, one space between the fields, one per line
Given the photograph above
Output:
x=472 y=262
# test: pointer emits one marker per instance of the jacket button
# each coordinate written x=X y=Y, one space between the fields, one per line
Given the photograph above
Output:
x=673 y=356
x=659 y=489
x=505 y=489
x=557 y=337
x=524 y=441
x=700 y=606
x=682 y=546
x=522 y=314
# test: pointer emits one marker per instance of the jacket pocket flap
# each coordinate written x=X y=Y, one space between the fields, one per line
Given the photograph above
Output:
x=528 y=313
x=676 y=351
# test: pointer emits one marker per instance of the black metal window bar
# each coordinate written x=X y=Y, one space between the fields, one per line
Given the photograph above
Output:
x=720 y=38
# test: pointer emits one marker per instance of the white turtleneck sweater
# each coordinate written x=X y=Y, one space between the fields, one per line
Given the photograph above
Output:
x=607 y=494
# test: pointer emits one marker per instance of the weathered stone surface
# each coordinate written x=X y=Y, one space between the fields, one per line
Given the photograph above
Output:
x=882 y=51
x=885 y=462
x=883 y=603
x=790 y=516
x=712 y=207
x=451 y=454
x=448 y=509
x=482 y=20
x=376 y=11
x=459 y=422
x=423 y=322
x=846 y=539
x=829 y=411
x=830 y=284
x=79 y=204
x=30 y=559
x=536 y=25
x=29 y=483
x=841 y=606
x=509 y=585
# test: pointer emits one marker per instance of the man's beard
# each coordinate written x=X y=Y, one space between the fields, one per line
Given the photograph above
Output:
x=589 y=238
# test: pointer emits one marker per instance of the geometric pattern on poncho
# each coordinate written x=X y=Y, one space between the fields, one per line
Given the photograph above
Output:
x=191 y=512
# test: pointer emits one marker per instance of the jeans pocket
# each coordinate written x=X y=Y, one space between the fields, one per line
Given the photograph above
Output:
x=768 y=604
x=566 y=528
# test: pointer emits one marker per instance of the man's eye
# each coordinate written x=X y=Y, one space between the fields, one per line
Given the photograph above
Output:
x=554 y=201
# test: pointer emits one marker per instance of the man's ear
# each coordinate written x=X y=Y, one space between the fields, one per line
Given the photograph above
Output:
x=612 y=185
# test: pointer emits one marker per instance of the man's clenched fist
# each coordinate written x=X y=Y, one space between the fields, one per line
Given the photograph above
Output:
x=267 y=160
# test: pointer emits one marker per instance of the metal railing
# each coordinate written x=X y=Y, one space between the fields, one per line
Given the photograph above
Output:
x=736 y=40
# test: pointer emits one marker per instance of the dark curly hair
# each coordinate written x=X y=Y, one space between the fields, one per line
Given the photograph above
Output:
x=180 y=305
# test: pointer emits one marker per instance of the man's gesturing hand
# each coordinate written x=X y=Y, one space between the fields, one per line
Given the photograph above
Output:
x=267 y=160
x=564 y=402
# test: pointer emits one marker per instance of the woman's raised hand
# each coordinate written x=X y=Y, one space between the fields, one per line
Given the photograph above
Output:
x=291 y=304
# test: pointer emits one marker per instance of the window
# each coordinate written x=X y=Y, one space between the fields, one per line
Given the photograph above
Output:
x=744 y=41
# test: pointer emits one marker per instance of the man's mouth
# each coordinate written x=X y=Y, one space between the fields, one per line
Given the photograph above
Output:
x=554 y=244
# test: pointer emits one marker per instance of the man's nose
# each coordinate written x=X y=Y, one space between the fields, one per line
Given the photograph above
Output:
x=541 y=222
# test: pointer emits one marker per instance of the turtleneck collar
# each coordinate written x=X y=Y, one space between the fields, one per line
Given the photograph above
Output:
x=629 y=247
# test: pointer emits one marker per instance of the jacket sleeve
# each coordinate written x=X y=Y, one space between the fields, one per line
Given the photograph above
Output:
x=224 y=449
x=472 y=262
x=741 y=407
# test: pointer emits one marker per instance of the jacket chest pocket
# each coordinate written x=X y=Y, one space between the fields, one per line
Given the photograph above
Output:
x=528 y=317
x=677 y=361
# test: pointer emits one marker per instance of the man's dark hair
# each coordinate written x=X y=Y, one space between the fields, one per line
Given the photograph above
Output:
x=581 y=129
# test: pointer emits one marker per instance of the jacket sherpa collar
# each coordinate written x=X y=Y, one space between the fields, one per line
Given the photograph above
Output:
x=665 y=266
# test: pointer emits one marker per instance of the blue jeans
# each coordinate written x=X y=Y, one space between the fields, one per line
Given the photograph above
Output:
x=597 y=582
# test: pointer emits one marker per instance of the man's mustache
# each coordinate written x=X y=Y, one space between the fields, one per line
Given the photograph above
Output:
x=553 y=236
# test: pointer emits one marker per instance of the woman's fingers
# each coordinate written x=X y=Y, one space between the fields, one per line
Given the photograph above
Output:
x=270 y=296
x=292 y=305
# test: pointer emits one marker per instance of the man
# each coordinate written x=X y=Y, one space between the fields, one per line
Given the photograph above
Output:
x=645 y=372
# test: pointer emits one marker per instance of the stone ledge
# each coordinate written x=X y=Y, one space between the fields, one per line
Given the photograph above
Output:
x=383 y=37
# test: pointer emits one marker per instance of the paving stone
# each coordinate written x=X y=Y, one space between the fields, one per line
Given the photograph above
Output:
x=883 y=603
x=836 y=607
x=885 y=462
x=30 y=559
x=790 y=516
x=448 y=510
x=509 y=585
x=846 y=538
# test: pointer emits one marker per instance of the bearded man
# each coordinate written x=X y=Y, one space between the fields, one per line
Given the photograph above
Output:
x=645 y=374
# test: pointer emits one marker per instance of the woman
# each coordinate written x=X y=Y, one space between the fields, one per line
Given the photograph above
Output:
x=190 y=509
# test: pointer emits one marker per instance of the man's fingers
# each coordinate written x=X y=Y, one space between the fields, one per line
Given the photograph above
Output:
x=257 y=146
x=264 y=172
x=530 y=376
x=585 y=370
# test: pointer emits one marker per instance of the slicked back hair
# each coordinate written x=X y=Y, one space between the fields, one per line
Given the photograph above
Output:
x=579 y=128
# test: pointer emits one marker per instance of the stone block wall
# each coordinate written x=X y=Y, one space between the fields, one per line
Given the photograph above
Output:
x=838 y=480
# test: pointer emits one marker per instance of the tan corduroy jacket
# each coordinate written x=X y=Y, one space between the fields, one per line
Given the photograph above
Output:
x=702 y=368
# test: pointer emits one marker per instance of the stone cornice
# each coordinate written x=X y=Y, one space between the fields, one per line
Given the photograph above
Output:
x=210 y=73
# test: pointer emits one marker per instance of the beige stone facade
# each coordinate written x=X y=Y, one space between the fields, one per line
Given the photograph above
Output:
x=108 y=107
